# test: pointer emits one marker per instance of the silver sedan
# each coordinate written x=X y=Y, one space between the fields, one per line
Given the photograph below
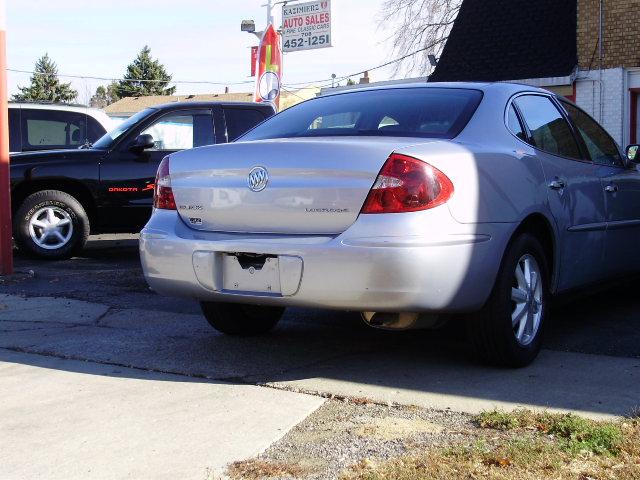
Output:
x=406 y=204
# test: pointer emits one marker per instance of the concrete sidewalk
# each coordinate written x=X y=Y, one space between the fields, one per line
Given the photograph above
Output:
x=93 y=391
x=67 y=419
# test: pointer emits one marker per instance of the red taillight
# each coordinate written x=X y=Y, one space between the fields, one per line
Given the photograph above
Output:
x=162 y=194
x=406 y=184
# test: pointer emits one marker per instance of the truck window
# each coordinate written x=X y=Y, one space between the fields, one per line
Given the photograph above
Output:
x=95 y=130
x=241 y=120
x=182 y=130
x=50 y=129
x=14 y=130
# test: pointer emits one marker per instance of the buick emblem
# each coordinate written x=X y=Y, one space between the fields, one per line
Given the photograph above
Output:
x=258 y=179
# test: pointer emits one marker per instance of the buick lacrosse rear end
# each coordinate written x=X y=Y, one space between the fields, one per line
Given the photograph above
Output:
x=401 y=203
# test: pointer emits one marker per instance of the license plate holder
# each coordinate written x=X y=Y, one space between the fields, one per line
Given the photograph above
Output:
x=251 y=274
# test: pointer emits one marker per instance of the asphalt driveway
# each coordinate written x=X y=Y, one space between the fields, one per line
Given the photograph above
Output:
x=94 y=315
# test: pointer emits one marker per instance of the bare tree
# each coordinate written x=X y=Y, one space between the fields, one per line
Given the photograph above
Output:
x=418 y=25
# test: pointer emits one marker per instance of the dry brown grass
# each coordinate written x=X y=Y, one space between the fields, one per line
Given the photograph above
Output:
x=527 y=446
x=256 y=469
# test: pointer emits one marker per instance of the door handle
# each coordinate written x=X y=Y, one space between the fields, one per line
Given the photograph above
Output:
x=611 y=188
x=557 y=184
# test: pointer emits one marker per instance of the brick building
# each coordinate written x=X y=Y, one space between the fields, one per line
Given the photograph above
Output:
x=586 y=50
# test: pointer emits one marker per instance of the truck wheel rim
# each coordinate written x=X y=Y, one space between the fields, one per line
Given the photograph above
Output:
x=51 y=228
x=527 y=300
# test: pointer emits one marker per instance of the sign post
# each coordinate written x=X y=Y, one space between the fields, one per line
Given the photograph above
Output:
x=6 y=244
x=306 y=26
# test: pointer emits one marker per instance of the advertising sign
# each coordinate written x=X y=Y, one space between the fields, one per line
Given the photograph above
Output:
x=269 y=68
x=254 y=60
x=306 y=26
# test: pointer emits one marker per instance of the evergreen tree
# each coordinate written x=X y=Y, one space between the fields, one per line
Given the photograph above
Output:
x=145 y=68
x=45 y=85
x=105 y=95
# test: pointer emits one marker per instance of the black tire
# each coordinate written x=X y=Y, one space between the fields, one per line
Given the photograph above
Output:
x=60 y=202
x=240 y=319
x=491 y=332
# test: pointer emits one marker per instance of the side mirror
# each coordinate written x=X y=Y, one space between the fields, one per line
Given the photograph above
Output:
x=141 y=143
x=633 y=155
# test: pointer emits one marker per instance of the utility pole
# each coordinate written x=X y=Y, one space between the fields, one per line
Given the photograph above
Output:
x=249 y=25
x=269 y=6
x=6 y=243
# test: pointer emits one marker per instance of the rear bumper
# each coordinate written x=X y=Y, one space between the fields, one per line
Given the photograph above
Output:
x=357 y=270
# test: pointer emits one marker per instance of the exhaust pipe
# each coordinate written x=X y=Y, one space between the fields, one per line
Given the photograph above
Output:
x=402 y=320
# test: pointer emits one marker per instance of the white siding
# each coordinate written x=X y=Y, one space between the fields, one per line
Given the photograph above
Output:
x=608 y=108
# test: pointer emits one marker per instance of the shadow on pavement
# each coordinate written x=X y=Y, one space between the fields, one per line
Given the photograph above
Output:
x=591 y=365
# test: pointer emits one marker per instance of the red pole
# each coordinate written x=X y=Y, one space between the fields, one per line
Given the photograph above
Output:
x=6 y=244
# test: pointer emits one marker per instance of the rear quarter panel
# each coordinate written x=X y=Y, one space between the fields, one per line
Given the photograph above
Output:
x=492 y=184
x=496 y=176
x=498 y=179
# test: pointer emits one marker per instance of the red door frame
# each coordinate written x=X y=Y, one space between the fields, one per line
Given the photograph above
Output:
x=572 y=97
x=6 y=243
x=635 y=96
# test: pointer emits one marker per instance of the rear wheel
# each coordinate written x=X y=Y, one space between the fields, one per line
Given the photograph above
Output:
x=239 y=319
x=509 y=329
x=51 y=224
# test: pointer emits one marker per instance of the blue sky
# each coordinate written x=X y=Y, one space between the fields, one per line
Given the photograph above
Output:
x=195 y=39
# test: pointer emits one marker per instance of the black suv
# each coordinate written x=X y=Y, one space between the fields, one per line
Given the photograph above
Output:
x=61 y=196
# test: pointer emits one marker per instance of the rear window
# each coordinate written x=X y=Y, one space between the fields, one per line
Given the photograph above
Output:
x=406 y=112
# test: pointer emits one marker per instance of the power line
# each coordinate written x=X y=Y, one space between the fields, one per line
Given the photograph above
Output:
x=141 y=80
x=325 y=82
x=291 y=92
x=345 y=77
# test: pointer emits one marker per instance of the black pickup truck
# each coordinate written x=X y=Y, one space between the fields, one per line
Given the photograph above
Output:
x=60 y=196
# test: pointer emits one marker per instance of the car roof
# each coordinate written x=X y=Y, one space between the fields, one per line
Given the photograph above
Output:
x=511 y=87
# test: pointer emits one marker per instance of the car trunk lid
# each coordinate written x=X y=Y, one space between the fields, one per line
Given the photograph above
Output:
x=313 y=185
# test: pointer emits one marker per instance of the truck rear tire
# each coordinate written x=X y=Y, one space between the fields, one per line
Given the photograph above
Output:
x=239 y=319
x=51 y=225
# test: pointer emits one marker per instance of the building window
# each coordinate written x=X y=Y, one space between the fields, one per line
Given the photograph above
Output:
x=635 y=115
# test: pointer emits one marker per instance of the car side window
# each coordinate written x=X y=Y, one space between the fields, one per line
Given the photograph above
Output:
x=550 y=131
x=513 y=122
x=46 y=129
x=241 y=120
x=602 y=149
x=182 y=130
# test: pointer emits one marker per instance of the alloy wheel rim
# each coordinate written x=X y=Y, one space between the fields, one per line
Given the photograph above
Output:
x=527 y=300
x=51 y=228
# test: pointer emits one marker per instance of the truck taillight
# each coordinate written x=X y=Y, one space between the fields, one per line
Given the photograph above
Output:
x=406 y=184
x=162 y=194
